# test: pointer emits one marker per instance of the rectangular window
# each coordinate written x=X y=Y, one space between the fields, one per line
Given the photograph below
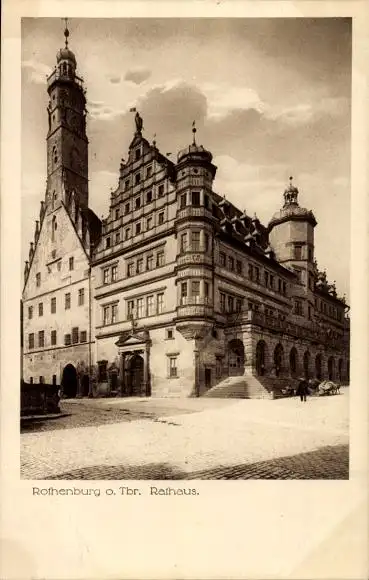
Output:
x=130 y=309
x=161 y=218
x=298 y=308
x=195 y=198
x=149 y=223
x=222 y=259
x=222 y=302
x=38 y=279
x=257 y=275
x=230 y=263
x=279 y=285
x=149 y=172
x=183 y=201
x=266 y=279
x=284 y=288
x=41 y=309
x=206 y=242
x=137 y=178
x=106 y=315
x=238 y=304
x=130 y=269
x=114 y=273
x=160 y=303
x=117 y=214
x=297 y=253
x=127 y=233
x=138 y=228
x=139 y=266
x=195 y=289
x=169 y=334
x=30 y=312
x=195 y=241
x=75 y=335
x=230 y=304
x=137 y=154
x=138 y=202
x=67 y=339
x=140 y=308
x=149 y=262
x=117 y=237
x=159 y=259
x=173 y=367
x=41 y=338
x=161 y=191
x=67 y=301
x=31 y=340
x=107 y=242
x=83 y=336
x=126 y=184
x=150 y=306
x=271 y=281
x=183 y=242
x=149 y=196
x=251 y=272
x=106 y=276
x=206 y=289
x=81 y=297
x=126 y=208
x=114 y=313
x=71 y=263
x=239 y=267
x=183 y=291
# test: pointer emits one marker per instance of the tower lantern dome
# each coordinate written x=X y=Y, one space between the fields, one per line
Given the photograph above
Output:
x=65 y=58
x=291 y=209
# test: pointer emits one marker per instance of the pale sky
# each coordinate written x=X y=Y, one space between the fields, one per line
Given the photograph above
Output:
x=271 y=98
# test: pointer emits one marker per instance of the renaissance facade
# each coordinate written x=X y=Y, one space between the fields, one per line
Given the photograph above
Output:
x=177 y=292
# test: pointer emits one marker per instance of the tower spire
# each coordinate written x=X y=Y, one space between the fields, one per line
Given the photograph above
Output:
x=66 y=32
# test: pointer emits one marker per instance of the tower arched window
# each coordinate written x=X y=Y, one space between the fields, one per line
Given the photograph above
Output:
x=55 y=155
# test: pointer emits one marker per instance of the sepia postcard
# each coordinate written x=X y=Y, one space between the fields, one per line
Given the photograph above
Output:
x=184 y=290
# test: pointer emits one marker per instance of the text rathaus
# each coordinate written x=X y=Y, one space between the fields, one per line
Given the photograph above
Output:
x=177 y=292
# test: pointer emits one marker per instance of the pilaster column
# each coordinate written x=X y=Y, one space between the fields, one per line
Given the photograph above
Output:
x=121 y=374
x=146 y=370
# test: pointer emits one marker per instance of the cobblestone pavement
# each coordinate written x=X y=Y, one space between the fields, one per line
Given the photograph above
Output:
x=161 y=439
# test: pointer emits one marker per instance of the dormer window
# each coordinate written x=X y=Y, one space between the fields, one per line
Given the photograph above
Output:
x=137 y=154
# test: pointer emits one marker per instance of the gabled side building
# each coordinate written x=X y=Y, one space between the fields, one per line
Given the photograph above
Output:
x=177 y=292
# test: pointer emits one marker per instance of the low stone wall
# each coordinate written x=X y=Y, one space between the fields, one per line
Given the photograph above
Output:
x=39 y=399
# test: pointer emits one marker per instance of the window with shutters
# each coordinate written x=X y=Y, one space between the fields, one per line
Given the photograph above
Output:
x=41 y=338
x=75 y=335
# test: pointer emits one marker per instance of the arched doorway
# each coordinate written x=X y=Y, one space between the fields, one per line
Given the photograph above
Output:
x=278 y=359
x=293 y=362
x=260 y=357
x=136 y=376
x=69 y=382
x=306 y=364
x=85 y=385
x=236 y=357
x=340 y=363
x=331 y=368
x=318 y=366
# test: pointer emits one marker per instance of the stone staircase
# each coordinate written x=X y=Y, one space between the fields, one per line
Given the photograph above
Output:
x=241 y=387
x=250 y=387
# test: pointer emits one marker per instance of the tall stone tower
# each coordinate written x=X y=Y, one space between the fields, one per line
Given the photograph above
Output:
x=67 y=143
x=291 y=235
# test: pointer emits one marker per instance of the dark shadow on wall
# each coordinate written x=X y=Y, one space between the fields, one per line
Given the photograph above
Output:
x=329 y=462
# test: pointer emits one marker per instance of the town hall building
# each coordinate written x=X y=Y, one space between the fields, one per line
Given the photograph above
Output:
x=177 y=292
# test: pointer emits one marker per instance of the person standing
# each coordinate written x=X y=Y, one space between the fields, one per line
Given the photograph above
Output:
x=302 y=390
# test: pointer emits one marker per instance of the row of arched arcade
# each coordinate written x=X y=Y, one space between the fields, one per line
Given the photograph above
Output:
x=287 y=362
